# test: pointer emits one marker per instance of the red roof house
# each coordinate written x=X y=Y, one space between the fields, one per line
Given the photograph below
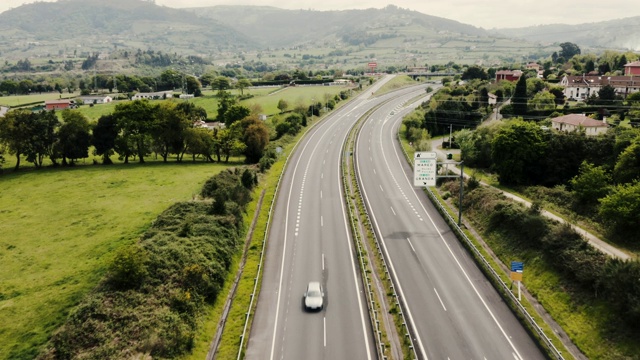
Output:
x=57 y=104
x=509 y=75
x=632 y=68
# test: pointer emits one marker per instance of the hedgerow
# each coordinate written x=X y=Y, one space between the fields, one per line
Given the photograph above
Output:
x=156 y=290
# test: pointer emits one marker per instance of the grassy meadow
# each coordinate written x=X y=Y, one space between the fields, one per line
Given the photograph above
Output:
x=59 y=230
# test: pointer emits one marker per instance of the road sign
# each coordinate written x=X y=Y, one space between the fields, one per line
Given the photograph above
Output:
x=517 y=268
x=424 y=168
x=373 y=65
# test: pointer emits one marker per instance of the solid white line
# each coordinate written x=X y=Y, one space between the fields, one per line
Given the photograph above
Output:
x=393 y=211
x=439 y=298
x=324 y=321
x=410 y=244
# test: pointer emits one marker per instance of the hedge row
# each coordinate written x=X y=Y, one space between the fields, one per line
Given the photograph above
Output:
x=155 y=292
x=585 y=268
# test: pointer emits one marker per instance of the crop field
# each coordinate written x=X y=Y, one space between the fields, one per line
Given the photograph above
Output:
x=60 y=228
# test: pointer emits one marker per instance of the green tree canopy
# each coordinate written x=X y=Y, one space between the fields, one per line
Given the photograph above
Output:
x=620 y=210
x=135 y=120
x=517 y=151
x=520 y=97
x=74 y=136
x=627 y=167
x=104 y=137
x=591 y=184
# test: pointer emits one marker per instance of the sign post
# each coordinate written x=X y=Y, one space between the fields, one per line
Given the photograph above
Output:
x=517 y=268
x=424 y=168
x=373 y=66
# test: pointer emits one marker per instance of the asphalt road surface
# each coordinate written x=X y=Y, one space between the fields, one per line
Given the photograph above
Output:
x=455 y=311
x=310 y=241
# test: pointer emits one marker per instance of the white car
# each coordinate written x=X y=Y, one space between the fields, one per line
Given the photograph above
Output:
x=314 y=296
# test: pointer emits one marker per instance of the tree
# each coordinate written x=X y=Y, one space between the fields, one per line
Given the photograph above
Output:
x=243 y=84
x=569 y=50
x=255 y=138
x=517 y=150
x=135 y=120
x=520 y=97
x=224 y=103
x=199 y=141
x=227 y=143
x=620 y=210
x=74 y=137
x=43 y=137
x=627 y=167
x=607 y=95
x=235 y=113
x=591 y=184
x=474 y=72
x=192 y=112
x=193 y=86
x=543 y=100
x=282 y=105
x=558 y=93
x=221 y=84
x=168 y=130
x=104 y=137
x=15 y=132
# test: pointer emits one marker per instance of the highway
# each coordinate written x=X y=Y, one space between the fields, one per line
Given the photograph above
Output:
x=310 y=241
x=454 y=310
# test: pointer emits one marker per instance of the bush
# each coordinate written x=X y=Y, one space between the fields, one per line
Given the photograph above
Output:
x=128 y=269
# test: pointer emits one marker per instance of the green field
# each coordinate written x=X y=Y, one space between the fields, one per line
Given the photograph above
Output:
x=59 y=229
x=17 y=100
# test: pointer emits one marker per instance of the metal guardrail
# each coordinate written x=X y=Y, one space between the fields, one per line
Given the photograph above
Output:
x=487 y=266
x=371 y=304
x=398 y=301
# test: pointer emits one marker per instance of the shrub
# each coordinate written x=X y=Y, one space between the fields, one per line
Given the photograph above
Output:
x=128 y=269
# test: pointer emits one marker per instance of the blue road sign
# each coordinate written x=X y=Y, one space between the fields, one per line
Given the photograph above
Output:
x=517 y=266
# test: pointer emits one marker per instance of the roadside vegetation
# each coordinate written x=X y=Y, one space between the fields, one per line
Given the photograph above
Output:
x=591 y=180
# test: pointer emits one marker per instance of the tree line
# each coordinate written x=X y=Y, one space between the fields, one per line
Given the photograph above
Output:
x=134 y=130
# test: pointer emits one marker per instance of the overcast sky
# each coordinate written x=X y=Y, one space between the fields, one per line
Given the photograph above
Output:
x=482 y=13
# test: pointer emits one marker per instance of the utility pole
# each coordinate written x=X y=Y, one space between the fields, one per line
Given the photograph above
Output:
x=450 y=131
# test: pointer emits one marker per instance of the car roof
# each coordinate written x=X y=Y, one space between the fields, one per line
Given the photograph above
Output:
x=313 y=285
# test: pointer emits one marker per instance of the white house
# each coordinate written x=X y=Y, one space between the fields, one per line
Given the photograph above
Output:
x=493 y=99
x=159 y=95
x=88 y=100
x=582 y=87
x=576 y=122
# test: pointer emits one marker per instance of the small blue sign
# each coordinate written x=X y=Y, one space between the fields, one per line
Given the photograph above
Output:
x=517 y=266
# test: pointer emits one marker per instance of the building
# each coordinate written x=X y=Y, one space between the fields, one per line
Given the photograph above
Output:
x=582 y=87
x=509 y=75
x=577 y=122
x=58 y=104
x=3 y=111
x=158 y=95
x=493 y=99
x=533 y=66
x=632 y=68
x=89 y=100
